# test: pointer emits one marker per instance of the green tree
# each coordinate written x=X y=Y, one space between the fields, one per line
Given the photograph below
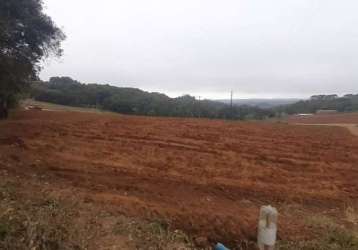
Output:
x=27 y=35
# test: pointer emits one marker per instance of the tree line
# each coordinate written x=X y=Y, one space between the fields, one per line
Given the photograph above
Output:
x=66 y=91
x=346 y=103
x=27 y=35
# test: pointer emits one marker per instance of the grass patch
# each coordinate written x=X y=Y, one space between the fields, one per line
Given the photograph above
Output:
x=3 y=231
x=58 y=107
x=152 y=235
x=320 y=222
x=36 y=223
x=331 y=237
x=333 y=240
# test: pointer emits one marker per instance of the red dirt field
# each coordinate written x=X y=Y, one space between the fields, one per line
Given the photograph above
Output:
x=206 y=177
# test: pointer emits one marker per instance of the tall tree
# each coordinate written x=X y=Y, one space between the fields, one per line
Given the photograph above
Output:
x=27 y=35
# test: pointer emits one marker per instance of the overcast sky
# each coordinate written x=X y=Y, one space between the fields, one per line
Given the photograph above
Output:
x=257 y=48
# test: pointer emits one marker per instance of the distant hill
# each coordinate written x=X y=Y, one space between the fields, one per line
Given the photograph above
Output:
x=346 y=103
x=66 y=91
x=262 y=103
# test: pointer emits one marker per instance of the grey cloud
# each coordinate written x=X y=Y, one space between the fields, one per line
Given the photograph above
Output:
x=255 y=47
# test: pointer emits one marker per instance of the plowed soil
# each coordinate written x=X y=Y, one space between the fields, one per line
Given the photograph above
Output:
x=206 y=177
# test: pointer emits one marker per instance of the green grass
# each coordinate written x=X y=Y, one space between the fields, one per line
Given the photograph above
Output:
x=57 y=107
x=3 y=231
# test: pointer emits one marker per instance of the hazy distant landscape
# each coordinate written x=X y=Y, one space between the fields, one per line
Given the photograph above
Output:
x=126 y=100
x=127 y=125
x=262 y=103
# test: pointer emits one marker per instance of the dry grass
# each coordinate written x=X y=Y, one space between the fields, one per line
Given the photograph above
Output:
x=331 y=237
x=41 y=222
x=154 y=235
x=351 y=215
x=333 y=240
x=37 y=223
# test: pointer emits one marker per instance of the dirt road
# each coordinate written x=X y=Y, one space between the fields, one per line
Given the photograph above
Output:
x=345 y=120
x=353 y=128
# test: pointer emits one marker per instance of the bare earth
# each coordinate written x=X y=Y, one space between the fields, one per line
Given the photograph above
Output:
x=206 y=177
x=353 y=128
x=346 y=120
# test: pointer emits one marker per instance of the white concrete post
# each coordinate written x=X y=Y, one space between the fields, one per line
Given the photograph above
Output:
x=267 y=228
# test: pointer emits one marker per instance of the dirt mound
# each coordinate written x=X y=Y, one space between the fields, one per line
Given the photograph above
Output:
x=208 y=178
